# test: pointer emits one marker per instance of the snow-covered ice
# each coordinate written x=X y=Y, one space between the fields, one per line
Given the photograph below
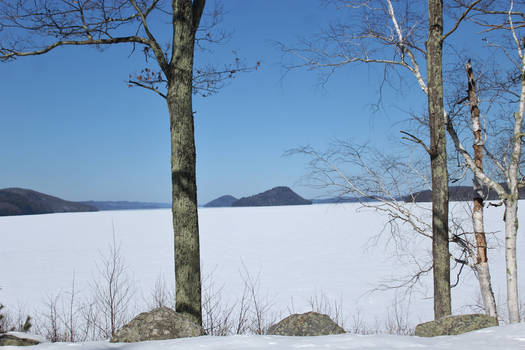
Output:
x=297 y=253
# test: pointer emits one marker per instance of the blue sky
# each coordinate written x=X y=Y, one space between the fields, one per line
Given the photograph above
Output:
x=71 y=127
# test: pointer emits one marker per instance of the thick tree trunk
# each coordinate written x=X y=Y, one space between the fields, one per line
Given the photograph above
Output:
x=183 y=162
x=438 y=161
x=481 y=263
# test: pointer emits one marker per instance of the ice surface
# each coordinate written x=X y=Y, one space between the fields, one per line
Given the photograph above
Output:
x=298 y=252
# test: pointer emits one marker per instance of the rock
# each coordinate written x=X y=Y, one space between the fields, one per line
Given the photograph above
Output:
x=158 y=324
x=17 y=339
x=307 y=324
x=456 y=324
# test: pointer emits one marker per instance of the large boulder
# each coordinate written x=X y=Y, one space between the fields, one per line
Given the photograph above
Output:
x=158 y=324
x=456 y=324
x=307 y=324
x=19 y=339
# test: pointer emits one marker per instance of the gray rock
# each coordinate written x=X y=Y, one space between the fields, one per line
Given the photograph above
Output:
x=16 y=340
x=456 y=324
x=158 y=324
x=307 y=324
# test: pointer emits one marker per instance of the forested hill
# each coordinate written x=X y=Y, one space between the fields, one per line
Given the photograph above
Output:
x=276 y=196
x=20 y=201
x=223 y=201
x=457 y=194
x=126 y=205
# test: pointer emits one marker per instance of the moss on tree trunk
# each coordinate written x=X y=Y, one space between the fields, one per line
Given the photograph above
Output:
x=183 y=160
x=438 y=161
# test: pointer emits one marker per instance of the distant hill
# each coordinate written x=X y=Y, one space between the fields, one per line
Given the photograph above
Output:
x=457 y=194
x=343 y=200
x=223 y=201
x=335 y=200
x=276 y=196
x=20 y=201
x=125 y=205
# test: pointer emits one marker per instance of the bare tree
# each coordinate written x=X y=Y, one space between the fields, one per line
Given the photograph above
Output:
x=29 y=28
x=481 y=263
x=69 y=316
x=512 y=21
x=113 y=291
x=49 y=324
x=160 y=296
x=218 y=315
x=334 y=308
x=399 y=41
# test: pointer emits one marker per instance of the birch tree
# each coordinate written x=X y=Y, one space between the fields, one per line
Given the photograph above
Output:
x=30 y=28
x=401 y=42
x=512 y=21
x=481 y=263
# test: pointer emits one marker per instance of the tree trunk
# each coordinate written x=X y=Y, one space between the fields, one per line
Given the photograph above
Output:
x=481 y=263
x=511 y=215
x=511 y=228
x=438 y=161
x=183 y=162
x=511 y=205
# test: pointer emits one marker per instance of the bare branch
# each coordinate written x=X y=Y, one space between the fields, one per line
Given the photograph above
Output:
x=460 y=19
x=470 y=161
x=6 y=53
x=416 y=140
x=149 y=87
x=159 y=55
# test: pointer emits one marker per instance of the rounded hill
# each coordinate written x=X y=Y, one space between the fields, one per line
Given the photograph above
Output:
x=281 y=195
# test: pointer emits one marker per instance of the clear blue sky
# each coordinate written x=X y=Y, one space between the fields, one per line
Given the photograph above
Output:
x=71 y=127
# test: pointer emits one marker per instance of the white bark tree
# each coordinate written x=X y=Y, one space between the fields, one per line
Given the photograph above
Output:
x=513 y=23
x=481 y=264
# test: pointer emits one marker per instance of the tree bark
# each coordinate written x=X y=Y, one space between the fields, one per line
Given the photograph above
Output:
x=481 y=263
x=511 y=228
x=511 y=204
x=511 y=212
x=186 y=17
x=438 y=161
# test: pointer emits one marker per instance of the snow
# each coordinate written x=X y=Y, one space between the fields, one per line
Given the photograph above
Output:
x=297 y=253
x=506 y=338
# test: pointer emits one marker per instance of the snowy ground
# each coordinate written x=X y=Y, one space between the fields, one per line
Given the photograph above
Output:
x=497 y=338
x=297 y=253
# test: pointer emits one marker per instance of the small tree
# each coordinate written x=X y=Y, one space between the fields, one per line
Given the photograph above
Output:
x=113 y=291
